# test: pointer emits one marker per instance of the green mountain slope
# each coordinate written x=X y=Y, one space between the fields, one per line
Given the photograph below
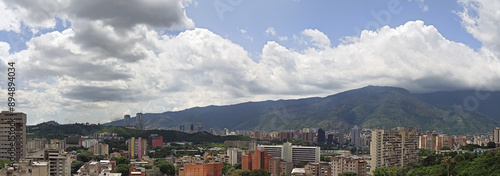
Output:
x=61 y=131
x=370 y=107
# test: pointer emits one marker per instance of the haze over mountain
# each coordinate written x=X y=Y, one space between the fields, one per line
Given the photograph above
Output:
x=369 y=107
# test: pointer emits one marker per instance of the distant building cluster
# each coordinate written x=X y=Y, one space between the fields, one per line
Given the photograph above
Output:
x=139 y=122
x=356 y=137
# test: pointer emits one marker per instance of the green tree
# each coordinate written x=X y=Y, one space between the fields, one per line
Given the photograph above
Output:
x=470 y=147
x=85 y=156
x=491 y=144
x=425 y=152
x=165 y=167
x=447 y=162
x=121 y=168
x=237 y=166
x=459 y=158
x=260 y=172
x=226 y=167
x=121 y=160
x=101 y=157
x=302 y=164
x=3 y=162
x=381 y=171
x=231 y=172
x=75 y=165
x=244 y=173
x=445 y=148
x=348 y=174
x=325 y=159
x=436 y=170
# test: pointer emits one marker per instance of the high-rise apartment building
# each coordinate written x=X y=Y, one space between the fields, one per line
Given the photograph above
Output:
x=127 y=120
x=321 y=136
x=137 y=147
x=342 y=164
x=286 y=135
x=200 y=127
x=34 y=144
x=255 y=160
x=12 y=135
x=139 y=123
x=234 y=155
x=393 y=148
x=329 y=140
x=434 y=141
x=100 y=149
x=355 y=135
x=341 y=137
x=496 y=135
x=308 y=136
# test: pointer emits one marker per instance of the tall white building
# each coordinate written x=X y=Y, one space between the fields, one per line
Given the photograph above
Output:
x=294 y=154
x=234 y=155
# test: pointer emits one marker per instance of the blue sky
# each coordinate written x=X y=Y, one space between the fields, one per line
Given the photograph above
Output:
x=336 y=19
x=95 y=61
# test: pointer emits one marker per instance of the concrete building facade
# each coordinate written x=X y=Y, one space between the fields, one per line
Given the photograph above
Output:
x=210 y=169
x=294 y=154
x=234 y=155
x=435 y=141
x=318 y=169
x=393 y=148
x=496 y=135
x=137 y=147
x=255 y=160
x=12 y=135
x=342 y=164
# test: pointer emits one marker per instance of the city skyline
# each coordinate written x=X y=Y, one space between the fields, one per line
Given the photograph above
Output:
x=94 y=61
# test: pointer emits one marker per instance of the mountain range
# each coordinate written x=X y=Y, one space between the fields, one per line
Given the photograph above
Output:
x=369 y=107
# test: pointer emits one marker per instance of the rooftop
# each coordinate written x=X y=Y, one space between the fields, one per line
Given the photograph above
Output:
x=299 y=171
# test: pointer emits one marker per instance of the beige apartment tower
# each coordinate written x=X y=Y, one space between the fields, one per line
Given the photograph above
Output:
x=496 y=135
x=393 y=148
x=12 y=135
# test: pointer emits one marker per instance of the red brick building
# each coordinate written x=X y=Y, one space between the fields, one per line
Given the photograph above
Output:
x=246 y=161
x=257 y=160
x=155 y=140
x=211 y=169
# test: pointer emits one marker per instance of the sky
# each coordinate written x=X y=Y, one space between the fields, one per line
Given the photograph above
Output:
x=95 y=61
